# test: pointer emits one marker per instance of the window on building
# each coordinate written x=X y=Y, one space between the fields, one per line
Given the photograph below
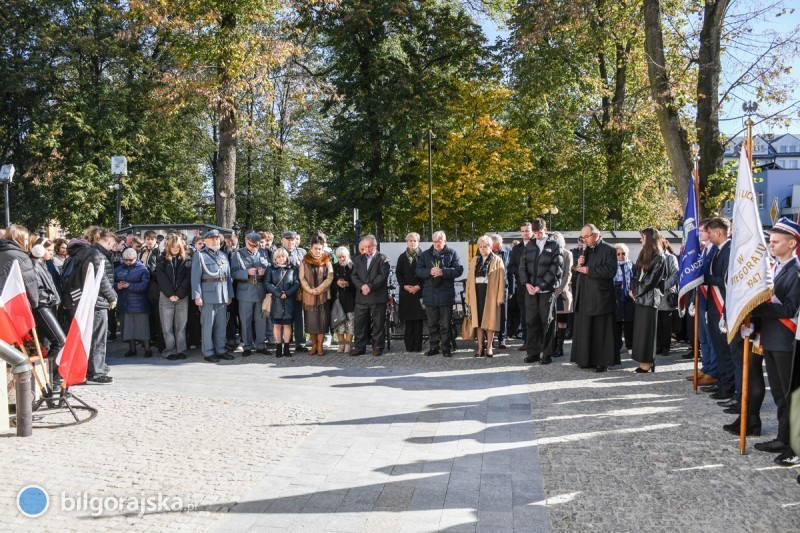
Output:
x=761 y=199
x=793 y=163
x=782 y=149
x=782 y=163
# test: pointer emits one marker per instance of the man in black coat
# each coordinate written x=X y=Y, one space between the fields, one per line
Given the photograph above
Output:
x=540 y=269
x=370 y=277
x=439 y=267
x=98 y=254
x=594 y=336
x=725 y=388
x=516 y=290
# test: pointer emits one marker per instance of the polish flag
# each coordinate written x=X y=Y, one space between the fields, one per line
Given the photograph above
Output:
x=7 y=331
x=73 y=360
x=14 y=300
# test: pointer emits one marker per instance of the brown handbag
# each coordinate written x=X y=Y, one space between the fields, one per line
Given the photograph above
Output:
x=467 y=331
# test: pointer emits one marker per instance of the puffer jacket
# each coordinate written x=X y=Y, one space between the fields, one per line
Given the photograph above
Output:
x=542 y=269
x=85 y=254
x=9 y=252
x=441 y=291
x=48 y=293
x=646 y=286
x=279 y=280
x=133 y=299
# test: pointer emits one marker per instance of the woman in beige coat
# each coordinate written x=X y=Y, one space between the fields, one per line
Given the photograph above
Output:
x=485 y=294
x=563 y=297
x=316 y=277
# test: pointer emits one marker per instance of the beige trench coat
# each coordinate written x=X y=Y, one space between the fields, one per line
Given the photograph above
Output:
x=495 y=294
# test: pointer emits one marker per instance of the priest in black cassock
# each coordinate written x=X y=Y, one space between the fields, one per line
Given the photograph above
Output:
x=593 y=337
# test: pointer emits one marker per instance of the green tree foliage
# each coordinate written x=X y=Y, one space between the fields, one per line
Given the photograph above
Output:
x=582 y=106
x=81 y=93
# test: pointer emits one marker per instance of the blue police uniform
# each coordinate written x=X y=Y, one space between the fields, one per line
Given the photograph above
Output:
x=250 y=292
x=212 y=283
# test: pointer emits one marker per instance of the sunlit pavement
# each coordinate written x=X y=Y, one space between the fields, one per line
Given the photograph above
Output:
x=404 y=442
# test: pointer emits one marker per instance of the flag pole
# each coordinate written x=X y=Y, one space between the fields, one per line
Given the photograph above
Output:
x=41 y=357
x=745 y=396
x=696 y=341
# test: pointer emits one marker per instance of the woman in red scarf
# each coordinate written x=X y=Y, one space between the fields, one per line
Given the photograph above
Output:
x=316 y=276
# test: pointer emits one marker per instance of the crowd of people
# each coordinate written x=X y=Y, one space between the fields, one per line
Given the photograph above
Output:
x=163 y=292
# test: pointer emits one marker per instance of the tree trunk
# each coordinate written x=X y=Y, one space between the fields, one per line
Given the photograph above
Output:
x=226 y=167
x=712 y=148
x=676 y=139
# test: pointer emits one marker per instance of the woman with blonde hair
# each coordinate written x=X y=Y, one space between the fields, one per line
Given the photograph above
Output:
x=345 y=293
x=14 y=246
x=316 y=277
x=174 y=279
x=485 y=294
x=281 y=282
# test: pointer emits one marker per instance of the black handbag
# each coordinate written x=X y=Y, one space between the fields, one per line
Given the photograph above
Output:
x=338 y=316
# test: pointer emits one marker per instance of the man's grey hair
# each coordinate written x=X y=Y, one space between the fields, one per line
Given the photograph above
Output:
x=370 y=239
x=496 y=237
x=129 y=253
x=592 y=228
x=439 y=235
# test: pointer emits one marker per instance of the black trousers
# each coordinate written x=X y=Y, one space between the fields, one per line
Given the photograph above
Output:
x=439 y=318
x=366 y=318
x=233 y=322
x=501 y=335
x=513 y=319
x=726 y=378
x=523 y=321
x=779 y=374
x=625 y=328
x=664 y=331
x=413 y=335
x=299 y=326
x=539 y=317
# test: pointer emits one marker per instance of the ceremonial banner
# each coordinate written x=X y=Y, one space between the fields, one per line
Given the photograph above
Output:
x=691 y=261
x=749 y=273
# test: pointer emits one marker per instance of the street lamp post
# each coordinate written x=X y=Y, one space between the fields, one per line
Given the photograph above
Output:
x=430 y=182
x=6 y=176
x=357 y=228
x=550 y=212
x=119 y=167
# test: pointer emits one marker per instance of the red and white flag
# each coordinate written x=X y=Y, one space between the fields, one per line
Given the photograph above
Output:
x=73 y=360
x=14 y=300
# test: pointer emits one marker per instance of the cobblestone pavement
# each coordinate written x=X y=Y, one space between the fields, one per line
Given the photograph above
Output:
x=402 y=443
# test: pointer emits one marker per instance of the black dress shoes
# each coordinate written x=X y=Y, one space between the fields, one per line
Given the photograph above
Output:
x=787 y=458
x=546 y=360
x=721 y=395
x=446 y=354
x=247 y=353
x=532 y=359
x=710 y=388
x=211 y=359
x=227 y=356
x=432 y=351
x=356 y=353
x=728 y=403
x=753 y=428
x=600 y=369
x=735 y=410
x=771 y=446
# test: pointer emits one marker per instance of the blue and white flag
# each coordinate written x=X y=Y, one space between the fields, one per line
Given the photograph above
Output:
x=691 y=261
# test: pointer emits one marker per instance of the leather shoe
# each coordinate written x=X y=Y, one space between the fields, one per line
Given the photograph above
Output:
x=734 y=410
x=600 y=369
x=227 y=356
x=532 y=358
x=772 y=446
x=754 y=428
x=432 y=351
x=376 y=353
x=247 y=353
x=728 y=403
x=721 y=395
x=710 y=388
x=355 y=353
x=523 y=348
x=705 y=381
x=502 y=345
x=546 y=360
x=700 y=375
x=446 y=354
x=212 y=359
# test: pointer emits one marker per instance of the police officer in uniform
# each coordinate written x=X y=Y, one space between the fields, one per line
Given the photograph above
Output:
x=248 y=266
x=212 y=290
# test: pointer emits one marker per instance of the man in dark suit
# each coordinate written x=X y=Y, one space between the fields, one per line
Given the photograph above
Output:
x=718 y=229
x=778 y=327
x=370 y=277
x=516 y=290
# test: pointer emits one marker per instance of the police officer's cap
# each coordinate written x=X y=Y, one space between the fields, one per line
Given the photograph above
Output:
x=253 y=236
x=211 y=233
x=289 y=234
